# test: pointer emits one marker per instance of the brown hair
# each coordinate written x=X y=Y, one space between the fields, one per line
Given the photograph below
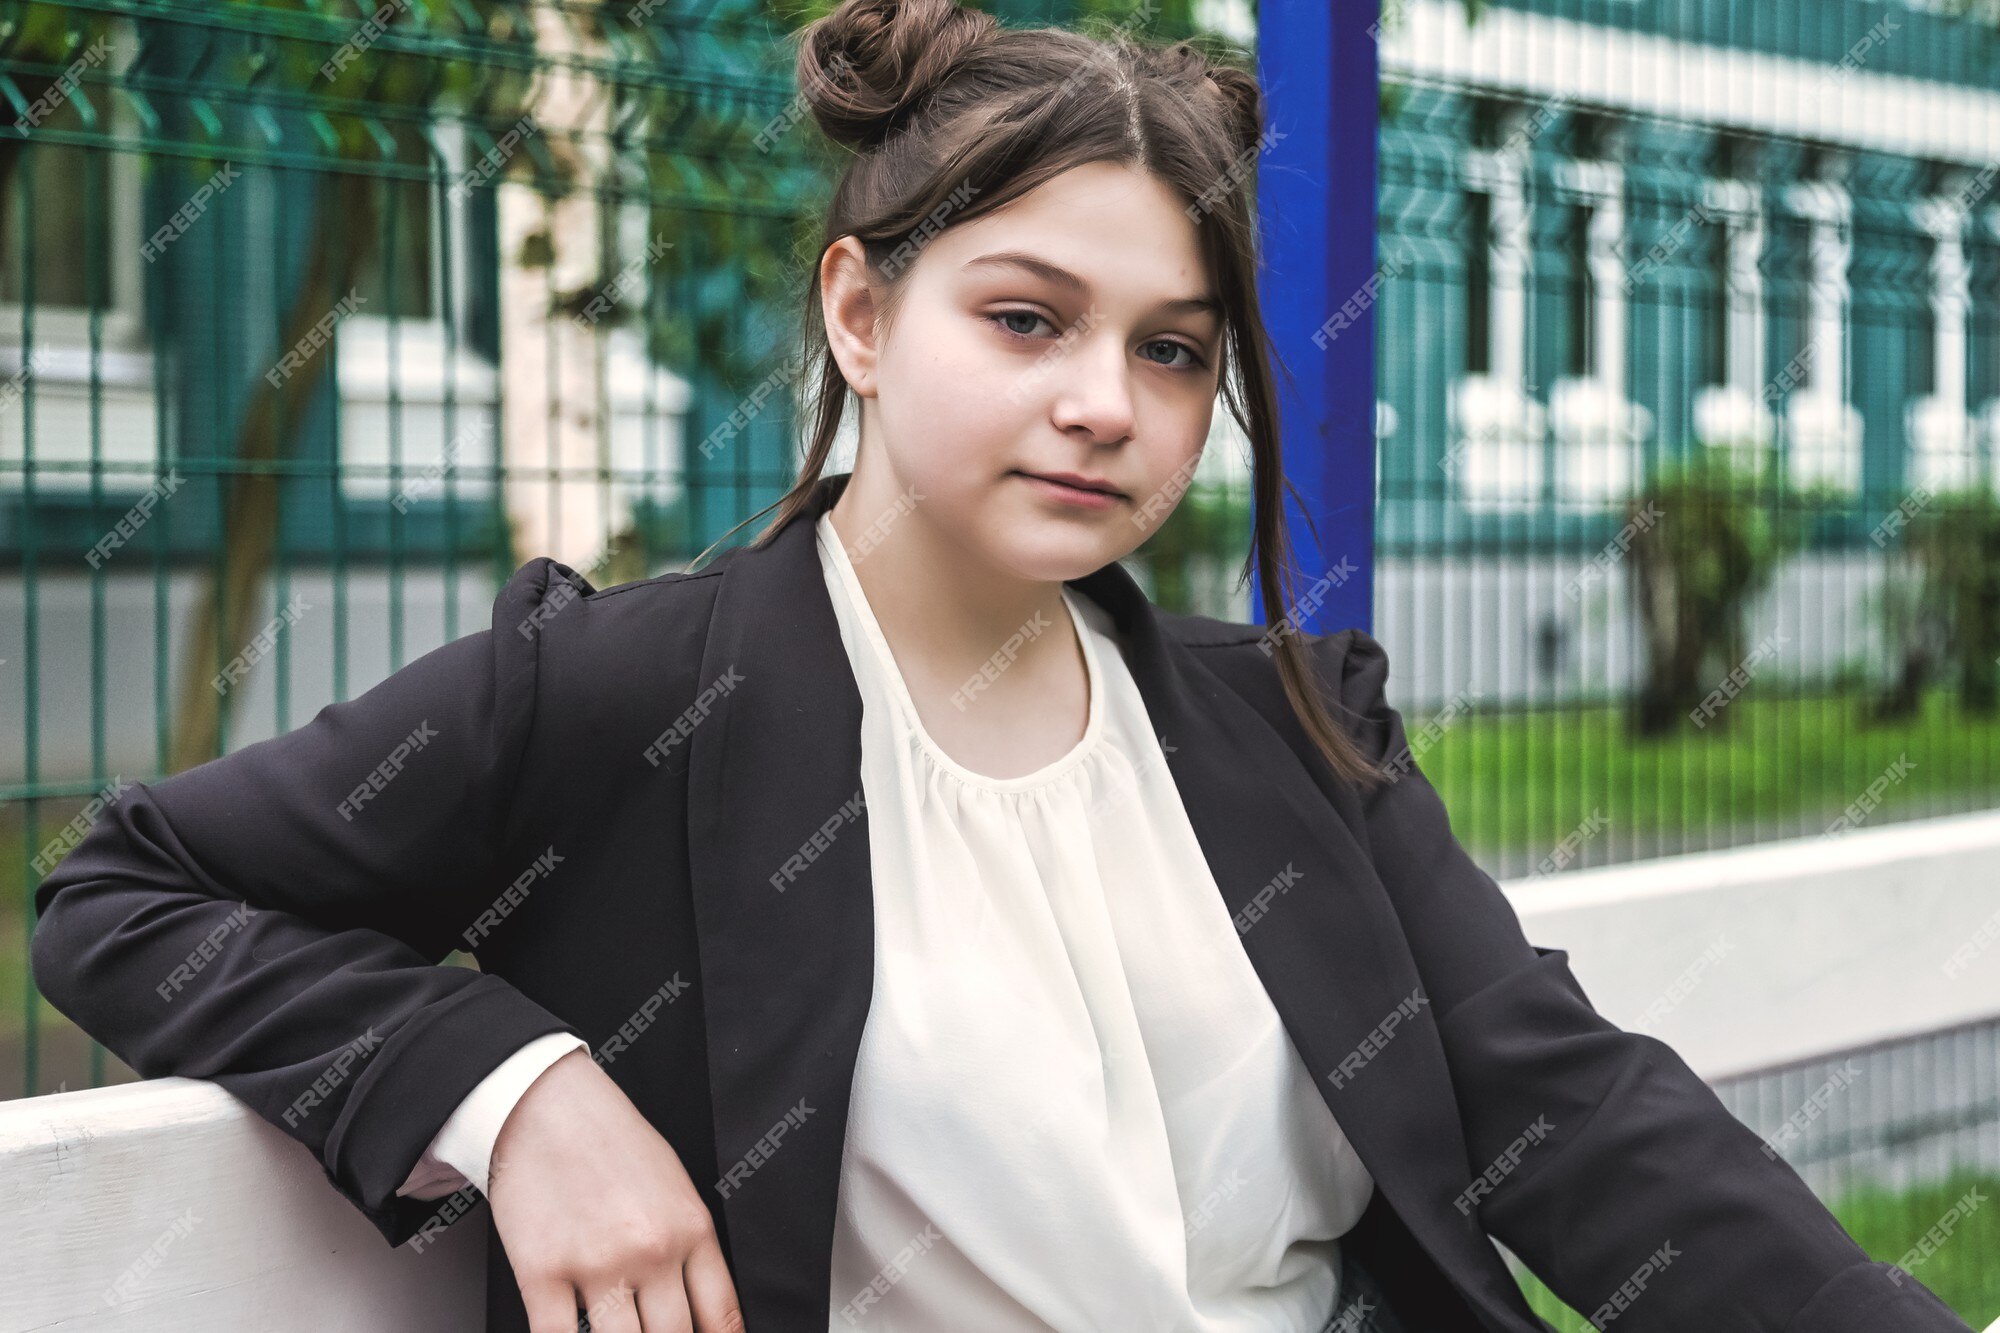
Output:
x=932 y=96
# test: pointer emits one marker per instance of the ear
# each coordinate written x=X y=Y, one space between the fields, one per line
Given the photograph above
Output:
x=847 y=298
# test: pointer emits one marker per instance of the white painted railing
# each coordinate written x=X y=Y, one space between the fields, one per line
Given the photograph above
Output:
x=168 y=1205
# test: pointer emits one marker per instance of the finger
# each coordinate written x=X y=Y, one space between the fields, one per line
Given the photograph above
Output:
x=551 y=1306
x=610 y=1309
x=711 y=1291
x=663 y=1304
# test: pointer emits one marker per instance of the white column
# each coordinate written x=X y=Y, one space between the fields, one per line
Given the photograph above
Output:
x=1938 y=427
x=1507 y=229
x=1598 y=432
x=1607 y=273
x=1824 y=429
x=1735 y=413
x=1745 y=322
x=1495 y=455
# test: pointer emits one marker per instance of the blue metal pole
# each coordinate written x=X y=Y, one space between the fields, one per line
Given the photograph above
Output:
x=1316 y=189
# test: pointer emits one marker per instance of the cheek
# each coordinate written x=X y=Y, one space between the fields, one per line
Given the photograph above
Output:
x=1175 y=451
x=939 y=437
x=950 y=408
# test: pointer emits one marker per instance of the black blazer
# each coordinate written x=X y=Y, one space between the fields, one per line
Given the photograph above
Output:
x=682 y=756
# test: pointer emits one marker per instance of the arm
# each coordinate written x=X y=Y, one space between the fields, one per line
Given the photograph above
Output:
x=272 y=920
x=461 y=1155
x=1645 y=1178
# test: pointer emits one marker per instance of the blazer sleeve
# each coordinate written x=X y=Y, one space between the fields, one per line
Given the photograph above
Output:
x=273 y=920
x=1647 y=1202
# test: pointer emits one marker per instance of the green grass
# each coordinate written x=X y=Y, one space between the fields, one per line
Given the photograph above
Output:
x=1964 y=1270
x=1528 y=780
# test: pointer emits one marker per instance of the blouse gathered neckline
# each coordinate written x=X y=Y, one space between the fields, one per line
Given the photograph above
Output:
x=1055 y=770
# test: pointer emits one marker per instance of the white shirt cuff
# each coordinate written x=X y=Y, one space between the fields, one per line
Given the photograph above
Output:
x=462 y=1152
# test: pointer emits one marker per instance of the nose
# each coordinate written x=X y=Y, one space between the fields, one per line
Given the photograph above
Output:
x=1092 y=389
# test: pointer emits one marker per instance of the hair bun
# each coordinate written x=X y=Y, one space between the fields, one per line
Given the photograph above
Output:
x=1245 y=100
x=864 y=68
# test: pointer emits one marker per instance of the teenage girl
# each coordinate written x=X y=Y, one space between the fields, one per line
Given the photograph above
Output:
x=899 y=923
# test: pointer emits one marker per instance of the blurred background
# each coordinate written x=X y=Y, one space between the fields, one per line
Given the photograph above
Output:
x=317 y=319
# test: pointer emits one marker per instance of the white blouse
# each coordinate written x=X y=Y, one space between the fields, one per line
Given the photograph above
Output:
x=1074 y=1106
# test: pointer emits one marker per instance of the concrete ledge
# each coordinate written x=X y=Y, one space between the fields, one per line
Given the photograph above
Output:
x=1759 y=956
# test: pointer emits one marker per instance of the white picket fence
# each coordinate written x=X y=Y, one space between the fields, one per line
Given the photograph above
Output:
x=169 y=1206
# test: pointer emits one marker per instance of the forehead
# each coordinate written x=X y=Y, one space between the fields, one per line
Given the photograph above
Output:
x=1122 y=234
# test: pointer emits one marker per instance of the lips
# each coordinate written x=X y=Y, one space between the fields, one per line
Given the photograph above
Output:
x=1075 y=482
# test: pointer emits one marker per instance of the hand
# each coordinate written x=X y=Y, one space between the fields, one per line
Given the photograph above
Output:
x=595 y=1210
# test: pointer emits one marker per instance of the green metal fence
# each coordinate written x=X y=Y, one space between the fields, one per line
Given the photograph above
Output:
x=1690 y=401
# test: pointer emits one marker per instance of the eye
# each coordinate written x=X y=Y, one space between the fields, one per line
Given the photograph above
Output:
x=999 y=319
x=1194 y=361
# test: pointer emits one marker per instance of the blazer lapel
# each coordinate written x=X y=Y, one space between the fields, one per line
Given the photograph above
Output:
x=780 y=873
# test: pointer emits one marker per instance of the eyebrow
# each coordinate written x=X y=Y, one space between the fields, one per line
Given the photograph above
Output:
x=1062 y=277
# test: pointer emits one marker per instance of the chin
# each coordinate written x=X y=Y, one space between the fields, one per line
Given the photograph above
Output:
x=1056 y=556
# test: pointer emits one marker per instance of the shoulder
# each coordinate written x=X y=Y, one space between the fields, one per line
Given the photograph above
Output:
x=539 y=596
x=585 y=646
x=1350 y=664
x=546 y=581
x=592 y=674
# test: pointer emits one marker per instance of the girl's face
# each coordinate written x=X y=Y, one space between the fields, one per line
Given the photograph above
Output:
x=1073 y=331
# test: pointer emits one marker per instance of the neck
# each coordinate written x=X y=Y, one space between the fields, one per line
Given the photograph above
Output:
x=936 y=602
